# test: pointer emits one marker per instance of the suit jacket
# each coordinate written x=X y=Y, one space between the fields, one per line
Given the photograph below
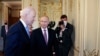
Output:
x=17 y=41
x=3 y=32
x=66 y=44
x=3 y=35
x=68 y=26
x=38 y=45
x=66 y=38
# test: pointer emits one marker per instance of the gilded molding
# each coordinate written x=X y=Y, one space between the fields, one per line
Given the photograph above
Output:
x=51 y=8
x=91 y=53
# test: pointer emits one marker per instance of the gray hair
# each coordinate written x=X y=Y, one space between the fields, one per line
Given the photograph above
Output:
x=26 y=11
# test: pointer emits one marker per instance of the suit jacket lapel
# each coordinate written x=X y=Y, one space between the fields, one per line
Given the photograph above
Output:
x=49 y=36
x=23 y=30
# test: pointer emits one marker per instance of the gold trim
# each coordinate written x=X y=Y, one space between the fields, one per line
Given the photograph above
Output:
x=39 y=9
x=91 y=53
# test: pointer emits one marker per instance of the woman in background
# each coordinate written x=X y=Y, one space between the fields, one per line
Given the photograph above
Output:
x=65 y=41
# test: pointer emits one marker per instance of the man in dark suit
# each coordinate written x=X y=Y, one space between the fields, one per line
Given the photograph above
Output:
x=67 y=41
x=43 y=39
x=4 y=30
x=18 y=39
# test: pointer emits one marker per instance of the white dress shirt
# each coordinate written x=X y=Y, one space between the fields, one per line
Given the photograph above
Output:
x=24 y=24
x=6 y=28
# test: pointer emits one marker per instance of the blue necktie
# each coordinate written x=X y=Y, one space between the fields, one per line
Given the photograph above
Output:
x=27 y=30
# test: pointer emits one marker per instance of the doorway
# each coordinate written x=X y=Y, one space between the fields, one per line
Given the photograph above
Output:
x=14 y=12
x=13 y=9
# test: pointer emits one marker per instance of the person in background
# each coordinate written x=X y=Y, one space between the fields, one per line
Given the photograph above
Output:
x=65 y=41
x=64 y=30
x=4 y=30
x=18 y=36
x=66 y=23
x=43 y=40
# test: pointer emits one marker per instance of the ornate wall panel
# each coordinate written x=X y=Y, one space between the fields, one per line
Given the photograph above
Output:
x=34 y=4
x=50 y=8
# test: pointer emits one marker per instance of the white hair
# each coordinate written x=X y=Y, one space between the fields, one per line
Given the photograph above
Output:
x=26 y=11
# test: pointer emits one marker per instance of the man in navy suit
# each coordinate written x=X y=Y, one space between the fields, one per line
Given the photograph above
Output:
x=4 y=30
x=18 y=39
x=43 y=39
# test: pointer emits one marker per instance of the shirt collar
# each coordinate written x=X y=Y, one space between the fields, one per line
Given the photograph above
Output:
x=24 y=24
x=43 y=29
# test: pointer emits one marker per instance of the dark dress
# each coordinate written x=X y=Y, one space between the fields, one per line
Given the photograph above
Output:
x=65 y=45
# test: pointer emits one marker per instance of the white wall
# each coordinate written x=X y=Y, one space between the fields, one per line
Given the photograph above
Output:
x=85 y=16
